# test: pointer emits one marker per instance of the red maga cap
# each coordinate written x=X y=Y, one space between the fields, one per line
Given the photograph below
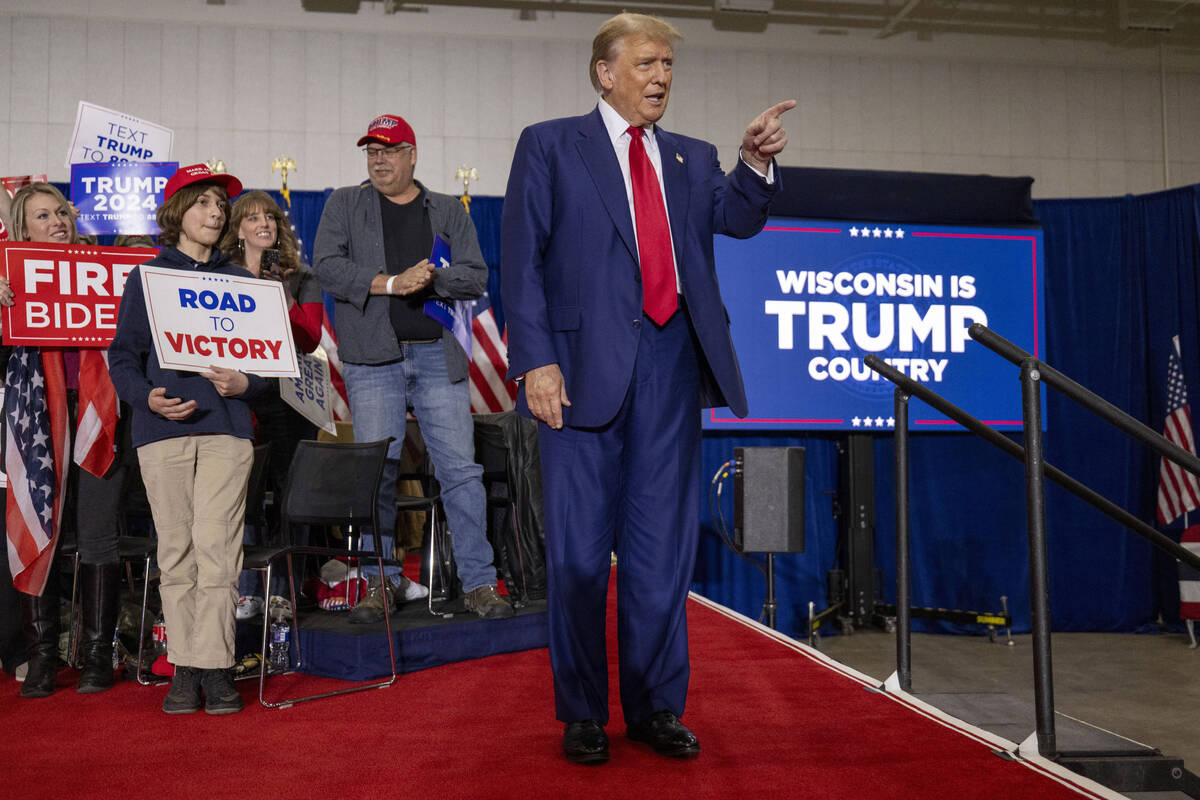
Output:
x=389 y=129
x=196 y=173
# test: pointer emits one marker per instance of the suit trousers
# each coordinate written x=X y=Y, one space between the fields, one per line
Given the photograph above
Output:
x=197 y=491
x=629 y=487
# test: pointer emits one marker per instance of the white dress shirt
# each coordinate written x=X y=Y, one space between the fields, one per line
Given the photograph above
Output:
x=618 y=133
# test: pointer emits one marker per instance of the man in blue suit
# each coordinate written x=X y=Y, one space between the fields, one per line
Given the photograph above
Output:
x=619 y=336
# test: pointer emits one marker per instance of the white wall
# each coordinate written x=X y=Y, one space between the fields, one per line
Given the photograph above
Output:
x=250 y=80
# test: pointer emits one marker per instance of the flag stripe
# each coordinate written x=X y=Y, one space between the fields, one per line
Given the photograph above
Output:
x=489 y=391
x=1178 y=488
x=37 y=462
x=99 y=410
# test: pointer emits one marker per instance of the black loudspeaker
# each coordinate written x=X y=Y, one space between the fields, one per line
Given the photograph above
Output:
x=768 y=499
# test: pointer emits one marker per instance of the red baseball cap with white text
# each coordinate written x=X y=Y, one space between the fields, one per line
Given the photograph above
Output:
x=185 y=176
x=389 y=129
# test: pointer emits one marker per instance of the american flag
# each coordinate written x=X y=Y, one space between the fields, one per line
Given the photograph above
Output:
x=1189 y=578
x=328 y=343
x=1178 y=489
x=490 y=393
x=35 y=418
x=341 y=400
x=96 y=430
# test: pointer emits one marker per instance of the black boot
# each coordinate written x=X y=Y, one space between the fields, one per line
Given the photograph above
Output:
x=40 y=617
x=101 y=585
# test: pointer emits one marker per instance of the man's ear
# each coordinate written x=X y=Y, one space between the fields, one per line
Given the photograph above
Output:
x=604 y=74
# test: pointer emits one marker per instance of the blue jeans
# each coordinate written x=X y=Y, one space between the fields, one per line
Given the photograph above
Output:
x=379 y=398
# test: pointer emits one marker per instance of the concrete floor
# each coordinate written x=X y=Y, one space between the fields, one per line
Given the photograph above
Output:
x=1144 y=687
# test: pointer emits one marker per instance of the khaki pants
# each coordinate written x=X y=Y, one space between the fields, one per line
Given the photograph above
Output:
x=197 y=491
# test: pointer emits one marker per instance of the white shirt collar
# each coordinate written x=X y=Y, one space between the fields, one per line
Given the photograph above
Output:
x=617 y=126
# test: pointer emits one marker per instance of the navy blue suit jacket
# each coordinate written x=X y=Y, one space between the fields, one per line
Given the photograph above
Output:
x=570 y=279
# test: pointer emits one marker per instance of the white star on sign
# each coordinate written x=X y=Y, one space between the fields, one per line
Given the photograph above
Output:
x=899 y=233
x=855 y=422
x=854 y=233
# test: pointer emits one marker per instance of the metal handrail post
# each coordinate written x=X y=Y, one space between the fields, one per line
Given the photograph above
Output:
x=1039 y=585
x=903 y=565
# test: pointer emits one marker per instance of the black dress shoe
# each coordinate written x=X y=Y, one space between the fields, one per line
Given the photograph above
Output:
x=585 y=742
x=666 y=734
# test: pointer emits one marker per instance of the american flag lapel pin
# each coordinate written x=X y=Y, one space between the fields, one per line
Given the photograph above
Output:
x=679 y=158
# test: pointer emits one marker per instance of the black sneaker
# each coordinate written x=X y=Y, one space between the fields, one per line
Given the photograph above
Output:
x=184 y=697
x=220 y=695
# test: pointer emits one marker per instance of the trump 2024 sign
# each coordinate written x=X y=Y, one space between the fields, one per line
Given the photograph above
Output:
x=809 y=300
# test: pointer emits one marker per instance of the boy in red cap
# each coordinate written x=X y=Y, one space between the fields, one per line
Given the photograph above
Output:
x=194 y=437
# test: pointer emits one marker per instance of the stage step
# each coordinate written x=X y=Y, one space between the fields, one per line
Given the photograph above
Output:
x=1124 y=765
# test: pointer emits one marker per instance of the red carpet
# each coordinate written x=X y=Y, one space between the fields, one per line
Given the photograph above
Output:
x=774 y=720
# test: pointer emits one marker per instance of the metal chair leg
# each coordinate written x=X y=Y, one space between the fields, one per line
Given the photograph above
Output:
x=73 y=630
x=142 y=628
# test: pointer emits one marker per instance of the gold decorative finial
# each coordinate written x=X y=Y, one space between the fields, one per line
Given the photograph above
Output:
x=282 y=164
x=466 y=175
x=215 y=165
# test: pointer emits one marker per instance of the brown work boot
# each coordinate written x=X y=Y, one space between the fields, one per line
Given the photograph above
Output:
x=487 y=604
x=369 y=610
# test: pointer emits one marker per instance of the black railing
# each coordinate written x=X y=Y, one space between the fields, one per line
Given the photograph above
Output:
x=1033 y=373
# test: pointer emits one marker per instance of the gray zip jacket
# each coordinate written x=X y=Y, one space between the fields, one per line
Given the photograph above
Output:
x=348 y=254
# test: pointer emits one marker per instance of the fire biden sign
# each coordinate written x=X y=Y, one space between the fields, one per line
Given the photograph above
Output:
x=810 y=300
x=66 y=295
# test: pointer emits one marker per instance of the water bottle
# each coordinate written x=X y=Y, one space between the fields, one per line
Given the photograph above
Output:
x=158 y=635
x=280 y=635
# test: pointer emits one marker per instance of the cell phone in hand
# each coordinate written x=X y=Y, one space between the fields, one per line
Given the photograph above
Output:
x=270 y=264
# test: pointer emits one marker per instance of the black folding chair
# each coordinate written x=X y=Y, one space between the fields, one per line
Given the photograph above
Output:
x=329 y=484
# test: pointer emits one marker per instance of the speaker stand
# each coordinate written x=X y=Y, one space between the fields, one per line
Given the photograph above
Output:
x=770 y=605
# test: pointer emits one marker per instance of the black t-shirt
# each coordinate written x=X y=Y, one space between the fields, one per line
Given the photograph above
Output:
x=407 y=240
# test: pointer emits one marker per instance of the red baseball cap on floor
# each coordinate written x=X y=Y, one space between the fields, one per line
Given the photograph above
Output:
x=196 y=173
x=389 y=129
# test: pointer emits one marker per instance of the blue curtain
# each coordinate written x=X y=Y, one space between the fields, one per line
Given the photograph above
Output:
x=1121 y=280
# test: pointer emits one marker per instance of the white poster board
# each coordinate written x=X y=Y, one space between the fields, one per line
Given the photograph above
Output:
x=200 y=319
x=312 y=393
x=105 y=136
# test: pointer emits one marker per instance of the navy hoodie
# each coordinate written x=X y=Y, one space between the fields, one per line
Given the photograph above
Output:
x=135 y=370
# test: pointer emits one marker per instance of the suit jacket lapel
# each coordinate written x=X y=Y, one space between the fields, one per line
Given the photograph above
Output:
x=601 y=162
x=675 y=184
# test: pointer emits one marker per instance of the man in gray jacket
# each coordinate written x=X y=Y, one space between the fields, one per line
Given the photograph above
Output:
x=372 y=254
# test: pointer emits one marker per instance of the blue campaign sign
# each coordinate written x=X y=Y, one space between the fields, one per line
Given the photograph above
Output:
x=119 y=198
x=809 y=300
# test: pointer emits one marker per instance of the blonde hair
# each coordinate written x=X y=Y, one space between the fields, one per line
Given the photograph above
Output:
x=285 y=240
x=623 y=26
x=19 y=233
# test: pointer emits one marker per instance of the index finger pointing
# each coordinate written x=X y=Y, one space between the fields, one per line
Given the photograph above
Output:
x=778 y=109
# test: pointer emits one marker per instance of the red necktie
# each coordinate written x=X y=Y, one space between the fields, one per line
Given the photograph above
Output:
x=659 y=298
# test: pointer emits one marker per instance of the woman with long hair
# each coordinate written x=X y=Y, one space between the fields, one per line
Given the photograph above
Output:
x=40 y=213
x=260 y=238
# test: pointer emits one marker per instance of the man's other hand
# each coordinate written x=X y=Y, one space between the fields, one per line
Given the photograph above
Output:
x=765 y=137
x=546 y=394
x=415 y=278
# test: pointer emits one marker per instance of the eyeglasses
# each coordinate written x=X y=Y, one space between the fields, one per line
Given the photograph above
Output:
x=389 y=152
